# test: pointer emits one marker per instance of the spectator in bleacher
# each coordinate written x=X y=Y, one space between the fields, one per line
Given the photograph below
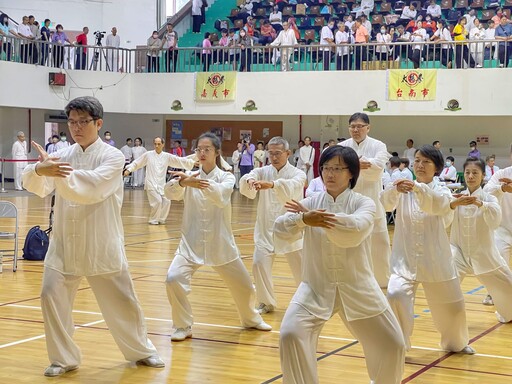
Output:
x=504 y=34
x=206 y=53
x=223 y=42
x=26 y=41
x=45 y=39
x=383 y=39
x=490 y=168
x=418 y=36
x=36 y=32
x=497 y=17
x=490 y=48
x=443 y=36
x=153 y=54
x=267 y=33
x=401 y=35
x=477 y=33
x=113 y=41
x=245 y=10
x=412 y=25
x=250 y=28
x=81 y=53
x=170 y=44
x=342 y=39
x=327 y=42
x=246 y=44
x=366 y=23
x=293 y=25
x=7 y=31
x=234 y=55
x=59 y=39
x=196 y=16
x=470 y=19
x=276 y=19
x=286 y=37
x=349 y=22
x=430 y=26
x=408 y=13
x=434 y=10
x=462 y=53
x=361 y=36
x=365 y=8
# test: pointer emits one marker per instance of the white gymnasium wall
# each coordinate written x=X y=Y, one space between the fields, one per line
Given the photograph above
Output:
x=134 y=19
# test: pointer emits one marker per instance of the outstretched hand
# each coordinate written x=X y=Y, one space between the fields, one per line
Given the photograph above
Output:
x=50 y=166
x=191 y=180
x=313 y=218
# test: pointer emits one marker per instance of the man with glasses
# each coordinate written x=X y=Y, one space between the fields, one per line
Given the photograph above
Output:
x=277 y=183
x=373 y=156
x=156 y=163
x=87 y=241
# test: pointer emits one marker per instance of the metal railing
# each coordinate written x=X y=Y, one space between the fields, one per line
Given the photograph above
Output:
x=261 y=58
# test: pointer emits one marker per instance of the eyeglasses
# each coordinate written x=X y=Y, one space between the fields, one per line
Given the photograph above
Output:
x=357 y=127
x=334 y=170
x=79 y=123
x=275 y=154
x=205 y=150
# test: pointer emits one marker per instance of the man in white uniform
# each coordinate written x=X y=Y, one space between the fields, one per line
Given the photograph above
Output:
x=235 y=159
x=19 y=152
x=373 y=157
x=286 y=37
x=307 y=158
x=87 y=240
x=127 y=150
x=113 y=41
x=156 y=163
x=278 y=183
x=410 y=151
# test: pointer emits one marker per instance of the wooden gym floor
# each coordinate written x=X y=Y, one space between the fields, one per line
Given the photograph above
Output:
x=220 y=350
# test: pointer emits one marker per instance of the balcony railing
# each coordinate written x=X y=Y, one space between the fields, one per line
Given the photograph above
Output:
x=258 y=58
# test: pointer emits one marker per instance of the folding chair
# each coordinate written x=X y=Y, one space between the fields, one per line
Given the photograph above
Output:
x=9 y=211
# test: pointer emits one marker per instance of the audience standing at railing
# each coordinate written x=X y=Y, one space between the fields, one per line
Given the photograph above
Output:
x=285 y=37
x=114 y=41
x=504 y=34
x=170 y=43
x=26 y=34
x=59 y=38
x=206 y=53
x=81 y=53
x=153 y=55
x=7 y=31
x=246 y=44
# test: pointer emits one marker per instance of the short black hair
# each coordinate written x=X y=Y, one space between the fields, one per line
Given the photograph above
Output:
x=178 y=141
x=436 y=142
x=395 y=161
x=349 y=157
x=207 y=35
x=107 y=133
x=359 y=116
x=55 y=136
x=450 y=158
x=473 y=160
x=472 y=142
x=88 y=104
x=46 y=20
x=129 y=139
x=394 y=153
x=405 y=161
x=434 y=154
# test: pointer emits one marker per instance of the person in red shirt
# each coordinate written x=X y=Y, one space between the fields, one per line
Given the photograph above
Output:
x=81 y=53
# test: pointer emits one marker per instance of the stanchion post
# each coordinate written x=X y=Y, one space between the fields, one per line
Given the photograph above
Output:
x=3 y=177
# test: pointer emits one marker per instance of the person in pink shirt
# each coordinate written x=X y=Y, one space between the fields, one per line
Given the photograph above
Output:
x=361 y=37
x=207 y=52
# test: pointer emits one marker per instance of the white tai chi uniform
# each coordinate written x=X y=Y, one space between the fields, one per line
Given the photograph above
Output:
x=156 y=171
x=306 y=161
x=337 y=278
x=288 y=184
x=503 y=234
x=127 y=152
x=235 y=159
x=475 y=251
x=113 y=54
x=88 y=241
x=409 y=154
x=370 y=184
x=138 y=175
x=19 y=152
x=316 y=186
x=207 y=239
x=421 y=254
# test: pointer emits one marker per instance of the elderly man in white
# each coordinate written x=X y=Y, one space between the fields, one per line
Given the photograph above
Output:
x=113 y=42
x=156 y=163
x=87 y=241
x=287 y=38
x=277 y=184
x=19 y=152
x=373 y=156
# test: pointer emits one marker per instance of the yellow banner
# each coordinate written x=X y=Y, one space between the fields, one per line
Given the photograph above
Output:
x=412 y=84
x=215 y=86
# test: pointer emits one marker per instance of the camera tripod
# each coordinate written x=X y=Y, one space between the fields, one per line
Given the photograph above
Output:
x=96 y=56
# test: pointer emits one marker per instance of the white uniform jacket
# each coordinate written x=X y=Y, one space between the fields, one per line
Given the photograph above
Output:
x=19 y=152
x=504 y=231
x=472 y=233
x=206 y=234
x=288 y=184
x=156 y=168
x=335 y=261
x=421 y=249
x=370 y=180
x=87 y=237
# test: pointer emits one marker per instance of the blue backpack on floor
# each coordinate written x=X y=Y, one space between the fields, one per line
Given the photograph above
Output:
x=36 y=244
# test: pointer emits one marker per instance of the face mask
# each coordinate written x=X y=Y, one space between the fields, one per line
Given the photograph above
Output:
x=383 y=31
x=59 y=30
x=448 y=163
x=63 y=138
x=331 y=26
x=428 y=18
x=472 y=148
x=107 y=137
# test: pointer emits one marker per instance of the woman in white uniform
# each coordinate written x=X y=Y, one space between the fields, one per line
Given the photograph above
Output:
x=421 y=252
x=477 y=215
x=337 y=277
x=207 y=239
x=137 y=151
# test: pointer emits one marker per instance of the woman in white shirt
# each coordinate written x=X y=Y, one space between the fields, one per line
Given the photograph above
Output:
x=342 y=39
x=418 y=36
x=477 y=216
x=449 y=172
x=477 y=33
x=337 y=277
x=442 y=35
x=276 y=19
x=421 y=253
x=383 y=39
x=137 y=151
x=207 y=239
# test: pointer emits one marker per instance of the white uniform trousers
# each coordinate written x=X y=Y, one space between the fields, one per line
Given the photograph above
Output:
x=380 y=256
x=118 y=303
x=504 y=247
x=380 y=337
x=234 y=274
x=237 y=179
x=262 y=272
x=138 y=177
x=498 y=284
x=446 y=304
x=18 y=171
x=160 y=206
x=309 y=173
